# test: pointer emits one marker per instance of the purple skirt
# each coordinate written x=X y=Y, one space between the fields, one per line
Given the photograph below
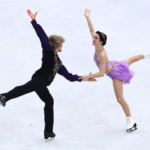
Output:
x=121 y=71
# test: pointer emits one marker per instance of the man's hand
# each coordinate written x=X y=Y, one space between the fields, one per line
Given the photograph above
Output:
x=87 y=13
x=31 y=14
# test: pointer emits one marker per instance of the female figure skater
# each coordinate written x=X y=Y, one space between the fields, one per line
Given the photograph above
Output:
x=118 y=71
x=51 y=64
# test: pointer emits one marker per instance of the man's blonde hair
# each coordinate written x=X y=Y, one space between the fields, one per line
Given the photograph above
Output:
x=56 y=40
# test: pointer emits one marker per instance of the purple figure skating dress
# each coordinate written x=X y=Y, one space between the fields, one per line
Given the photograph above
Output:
x=119 y=71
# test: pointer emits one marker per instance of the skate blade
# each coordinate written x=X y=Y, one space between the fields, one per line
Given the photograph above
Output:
x=133 y=128
x=49 y=139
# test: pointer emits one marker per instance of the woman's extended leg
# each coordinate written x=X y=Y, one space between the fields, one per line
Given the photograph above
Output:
x=134 y=59
x=118 y=88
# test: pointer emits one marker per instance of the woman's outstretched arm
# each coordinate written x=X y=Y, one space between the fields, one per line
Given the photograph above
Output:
x=39 y=31
x=87 y=16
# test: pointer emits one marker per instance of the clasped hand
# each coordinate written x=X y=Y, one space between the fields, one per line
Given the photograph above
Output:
x=87 y=78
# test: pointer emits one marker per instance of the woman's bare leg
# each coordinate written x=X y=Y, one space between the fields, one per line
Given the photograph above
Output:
x=134 y=59
x=118 y=88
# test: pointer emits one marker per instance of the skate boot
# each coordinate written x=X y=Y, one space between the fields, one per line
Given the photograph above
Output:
x=146 y=54
x=2 y=100
x=131 y=125
x=48 y=135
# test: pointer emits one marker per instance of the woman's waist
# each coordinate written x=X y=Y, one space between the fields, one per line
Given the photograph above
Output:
x=116 y=64
x=110 y=67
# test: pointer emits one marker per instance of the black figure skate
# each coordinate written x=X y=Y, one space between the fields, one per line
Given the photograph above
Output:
x=2 y=100
x=49 y=136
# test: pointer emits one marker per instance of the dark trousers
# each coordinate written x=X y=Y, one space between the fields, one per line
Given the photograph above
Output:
x=37 y=84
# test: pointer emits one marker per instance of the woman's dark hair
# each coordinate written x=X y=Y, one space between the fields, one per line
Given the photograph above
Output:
x=103 y=37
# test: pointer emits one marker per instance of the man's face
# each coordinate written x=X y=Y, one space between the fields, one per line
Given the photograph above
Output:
x=59 y=49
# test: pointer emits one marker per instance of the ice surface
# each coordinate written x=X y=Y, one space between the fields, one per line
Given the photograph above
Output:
x=87 y=115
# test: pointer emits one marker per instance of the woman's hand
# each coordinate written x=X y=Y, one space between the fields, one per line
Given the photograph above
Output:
x=87 y=13
x=31 y=14
x=91 y=79
x=87 y=78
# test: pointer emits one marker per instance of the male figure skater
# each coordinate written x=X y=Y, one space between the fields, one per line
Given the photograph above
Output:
x=51 y=64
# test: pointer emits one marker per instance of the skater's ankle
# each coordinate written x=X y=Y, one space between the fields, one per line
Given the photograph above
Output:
x=128 y=116
x=146 y=54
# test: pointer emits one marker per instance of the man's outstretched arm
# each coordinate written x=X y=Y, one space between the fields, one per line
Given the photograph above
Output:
x=64 y=72
x=40 y=32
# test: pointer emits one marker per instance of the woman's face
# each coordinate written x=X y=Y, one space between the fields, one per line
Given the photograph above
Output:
x=96 y=40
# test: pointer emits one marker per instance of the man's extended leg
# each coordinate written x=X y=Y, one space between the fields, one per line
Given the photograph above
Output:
x=46 y=97
x=33 y=85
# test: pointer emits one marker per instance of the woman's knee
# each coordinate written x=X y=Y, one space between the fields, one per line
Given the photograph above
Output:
x=120 y=100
